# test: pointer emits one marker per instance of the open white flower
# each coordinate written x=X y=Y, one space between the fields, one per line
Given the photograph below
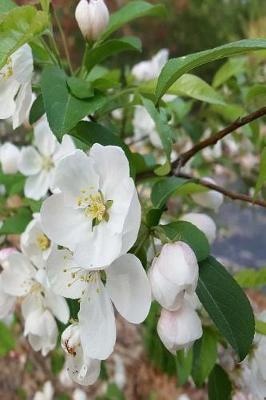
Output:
x=203 y=222
x=9 y=156
x=15 y=86
x=179 y=329
x=38 y=162
x=81 y=369
x=210 y=199
x=148 y=70
x=173 y=273
x=47 y=392
x=7 y=302
x=126 y=285
x=34 y=243
x=39 y=303
x=97 y=214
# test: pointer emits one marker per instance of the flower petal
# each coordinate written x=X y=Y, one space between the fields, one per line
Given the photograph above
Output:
x=44 y=138
x=97 y=322
x=8 y=90
x=22 y=62
x=129 y=288
x=84 y=372
x=30 y=162
x=57 y=305
x=37 y=185
x=23 y=103
x=131 y=224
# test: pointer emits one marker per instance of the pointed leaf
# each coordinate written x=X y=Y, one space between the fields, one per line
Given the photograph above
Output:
x=219 y=386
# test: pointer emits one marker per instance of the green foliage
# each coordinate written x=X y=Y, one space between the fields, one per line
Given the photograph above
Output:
x=13 y=183
x=179 y=66
x=184 y=361
x=20 y=26
x=6 y=5
x=17 y=223
x=57 y=361
x=80 y=88
x=261 y=327
x=7 y=340
x=251 y=278
x=37 y=110
x=231 y=68
x=219 y=386
x=227 y=305
x=164 y=188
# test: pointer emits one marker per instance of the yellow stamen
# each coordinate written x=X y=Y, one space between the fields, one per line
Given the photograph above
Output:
x=43 y=242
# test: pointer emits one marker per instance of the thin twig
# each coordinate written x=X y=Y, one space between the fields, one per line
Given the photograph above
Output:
x=212 y=140
x=63 y=38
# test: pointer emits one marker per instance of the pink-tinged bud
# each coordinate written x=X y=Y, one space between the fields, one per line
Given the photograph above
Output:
x=210 y=199
x=92 y=17
x=172 y=274
x=203 y=222
x=179 y=329
x=9 y=156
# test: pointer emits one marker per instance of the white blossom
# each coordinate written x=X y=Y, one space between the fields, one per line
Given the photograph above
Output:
x=38 y=162
x=210 y=199
x=203 y=222
x=172 y=274
x=47 y=392
x=97 y=212
x=126 y=286
x=92 y=17
x=148 y=70
x=144 y=125
x=81 y=369
x=179 y=329
x=7 y=301
x=79 y=394
x=15 y=86
x=9 y=156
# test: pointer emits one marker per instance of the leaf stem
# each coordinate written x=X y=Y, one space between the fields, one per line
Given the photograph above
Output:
x=63 y=38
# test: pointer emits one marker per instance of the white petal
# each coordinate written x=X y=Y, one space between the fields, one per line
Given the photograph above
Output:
x=9 y=157
x=37 y=185
x=22 y=62
x=44 y=138
x=23 y=103
x=75 y=173
x=7 y=302
x=97 y=322
x=57 y=305
x=64 y=149
x=129 y=288
x=131 y=224
x=63 y=275
x=84 y=372
x=210 y=199
x=203 y=222
x=8 y=90
x=30 y=162
x=17 y=278
x=63 y=225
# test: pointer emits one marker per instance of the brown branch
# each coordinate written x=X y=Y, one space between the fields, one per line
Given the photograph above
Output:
x=185 y=157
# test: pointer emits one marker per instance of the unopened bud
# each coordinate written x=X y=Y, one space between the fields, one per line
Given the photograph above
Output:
x=210 y=199
x=92 y=17
x=202 y=222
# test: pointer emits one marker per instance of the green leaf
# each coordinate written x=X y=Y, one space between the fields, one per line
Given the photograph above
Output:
x=251 y=278
x=262 y=173
x=64 y=110
x=183 y=366
x=13 y=183
x=6 y=5
x=204 y=356
x=111 y=47
x=162 y=127
x=20 y=26
x=57 y=361
x=261 y=327
x=7 y=341
x=231 y=68
x=219 y=386
x=80 y=88
x=177 y=67
x=17 y=223
x=227 y=305
x=153 y=217
x=131 y=11
x=37 y=110
x=164 y=188
x=190 y=234
x=45 y=5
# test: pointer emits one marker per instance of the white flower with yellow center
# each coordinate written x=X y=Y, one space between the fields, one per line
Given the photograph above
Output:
x=124 y=283
x=97 y=212
x=34 y=243
x=81 y=369
x=38 y=162
x=39 y=304
x=15 y=86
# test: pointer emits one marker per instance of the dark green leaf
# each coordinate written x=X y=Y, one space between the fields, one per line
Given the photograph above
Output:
x=64 y=110
x=179 y=66
x=7 y=341
x=183 y=366
x=164 y=188
x=80 y=88
x=37 y=110
x=131 y=11
x=219 y=386
x=17 y=223
x=227 y=305
x=153 y=217
x=20 y=26
x=190 y=234
x=111 y=47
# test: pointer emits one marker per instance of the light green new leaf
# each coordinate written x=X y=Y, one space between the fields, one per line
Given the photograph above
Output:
x=219 y=386
x=164 y=188
x=6 y=5
x=111 y=47
x=7 y=340
x=262 y=173
x=63 y=109
x=20 y=26
x=177 y=67
x=251 y=278
x=231 y=68
x=227 y=305
x=261 y=327
x=183 y=365
x=131 y=11
x=17 y=223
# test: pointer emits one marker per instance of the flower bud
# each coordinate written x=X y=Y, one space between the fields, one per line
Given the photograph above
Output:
x=172 y=273
x=210 y=199
x=92 y=17
x=179 y=329
x=70 y=339
x=203 y=222
x=9 y=156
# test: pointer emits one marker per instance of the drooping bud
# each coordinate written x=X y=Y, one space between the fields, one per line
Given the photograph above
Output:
x=203 y=222
x=172 y=274
x=9 y=157
x=210 y=199
x=179 y=329
x=92 y=17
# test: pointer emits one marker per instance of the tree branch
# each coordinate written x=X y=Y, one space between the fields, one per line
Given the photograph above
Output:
x=185 y=157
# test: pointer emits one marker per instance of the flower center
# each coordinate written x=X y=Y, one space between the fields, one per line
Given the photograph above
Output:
x=95 y=206
x=47 y=163
x=7 y=71
x=43 y=242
